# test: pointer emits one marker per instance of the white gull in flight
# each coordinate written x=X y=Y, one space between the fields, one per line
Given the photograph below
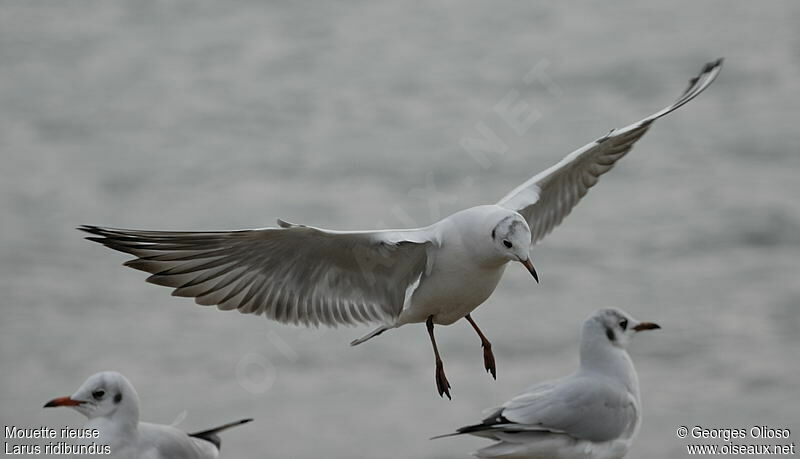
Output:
x=437 y=274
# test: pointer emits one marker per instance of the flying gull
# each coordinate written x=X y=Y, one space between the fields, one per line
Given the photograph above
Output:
x=437 y=274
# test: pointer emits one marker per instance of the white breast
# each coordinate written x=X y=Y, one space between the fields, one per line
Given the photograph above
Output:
x=450 y=294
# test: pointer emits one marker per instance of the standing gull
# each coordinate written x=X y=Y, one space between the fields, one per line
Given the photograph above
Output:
x=437 y=274
x=593 y=414
x=110 y=402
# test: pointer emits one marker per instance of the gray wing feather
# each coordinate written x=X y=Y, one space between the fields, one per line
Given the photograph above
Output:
x=584 y=408
x=547 y=198
x=293 y=274
x=161 y=441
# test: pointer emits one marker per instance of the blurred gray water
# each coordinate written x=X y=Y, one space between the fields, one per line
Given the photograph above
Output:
x=223 y=115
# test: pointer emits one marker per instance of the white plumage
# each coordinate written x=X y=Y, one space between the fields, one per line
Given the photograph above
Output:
x=595 y=413
x=438 y=274
x=111 y=404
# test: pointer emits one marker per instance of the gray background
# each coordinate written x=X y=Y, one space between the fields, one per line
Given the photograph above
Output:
x=223 y=115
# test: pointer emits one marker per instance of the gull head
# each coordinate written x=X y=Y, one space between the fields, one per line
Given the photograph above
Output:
x=511 y=237
x=104 y=394
x=614 y=326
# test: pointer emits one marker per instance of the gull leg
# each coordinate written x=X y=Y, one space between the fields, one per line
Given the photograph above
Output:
x=488 y=356
x=442 y=385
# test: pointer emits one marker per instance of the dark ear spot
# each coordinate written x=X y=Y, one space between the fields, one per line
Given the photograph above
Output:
x=118 y=398
x=493 y=232
x=610 y=334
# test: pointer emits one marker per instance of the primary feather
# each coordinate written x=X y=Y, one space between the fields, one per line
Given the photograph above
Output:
x=548 y=197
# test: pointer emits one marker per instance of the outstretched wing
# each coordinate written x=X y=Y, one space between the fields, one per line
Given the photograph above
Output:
x=292 y=274
x=548 y=197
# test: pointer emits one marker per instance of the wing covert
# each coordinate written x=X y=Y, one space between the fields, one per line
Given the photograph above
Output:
x=581 y=408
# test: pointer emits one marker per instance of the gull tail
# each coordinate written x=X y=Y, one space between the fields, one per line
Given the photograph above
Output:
x=210 y=435
x=370 y=335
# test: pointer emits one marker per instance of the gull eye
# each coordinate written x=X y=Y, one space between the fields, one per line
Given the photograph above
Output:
x=507 y=243
x=623 y=324
x=98 y=394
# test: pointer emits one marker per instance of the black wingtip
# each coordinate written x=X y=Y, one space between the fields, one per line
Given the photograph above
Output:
x=711 y=65
x=707 y=74
x=211 y=436
x=445 y=436
x=471 y=429
x=708 y=68
x=222 y=427
x=91 y=229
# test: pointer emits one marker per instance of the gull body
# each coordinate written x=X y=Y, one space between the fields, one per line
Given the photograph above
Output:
x=111 y=405
x=595 y=413
x=466 y=270
x=437 y=274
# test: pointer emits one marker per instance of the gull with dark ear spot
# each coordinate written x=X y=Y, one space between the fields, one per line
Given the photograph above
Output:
x=111 y=404
x=435 y=275
x=595 y=413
